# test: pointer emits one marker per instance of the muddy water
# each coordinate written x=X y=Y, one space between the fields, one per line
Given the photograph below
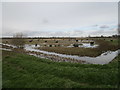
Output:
x=104 y=58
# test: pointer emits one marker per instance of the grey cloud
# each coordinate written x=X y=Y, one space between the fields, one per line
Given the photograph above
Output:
x=104 y=26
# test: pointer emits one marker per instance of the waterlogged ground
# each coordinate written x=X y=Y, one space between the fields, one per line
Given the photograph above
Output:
x=104 y=46
x=104 y=58
x=102 y=53
x=62 y=45
x=24 y=71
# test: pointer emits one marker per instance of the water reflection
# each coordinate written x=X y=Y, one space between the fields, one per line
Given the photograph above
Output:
x=104 y=58
x=85 y=45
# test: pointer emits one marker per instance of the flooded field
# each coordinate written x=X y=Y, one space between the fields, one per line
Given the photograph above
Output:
x=104 y=58
x=70 y=50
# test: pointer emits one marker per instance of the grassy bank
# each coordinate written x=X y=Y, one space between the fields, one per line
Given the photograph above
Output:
x=24 y=71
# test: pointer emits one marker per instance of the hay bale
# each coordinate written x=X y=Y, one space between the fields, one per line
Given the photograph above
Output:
x=58 y=45
x=91 y=43
x=30 y=40
x=56 y=41
x=76 y=40
x=50 y=45
x=36 y=45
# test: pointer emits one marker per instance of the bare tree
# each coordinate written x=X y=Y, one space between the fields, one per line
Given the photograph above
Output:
x=18 y=40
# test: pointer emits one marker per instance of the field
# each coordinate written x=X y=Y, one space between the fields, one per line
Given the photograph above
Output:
x=24 y=71
x=103 y=47
x=60 y=45
x=21 y=70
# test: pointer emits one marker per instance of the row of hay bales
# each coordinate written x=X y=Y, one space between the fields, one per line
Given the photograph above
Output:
x=44 y=41
x=56 y=41
x=89 y=41
x=52 y=45
x=74 y=45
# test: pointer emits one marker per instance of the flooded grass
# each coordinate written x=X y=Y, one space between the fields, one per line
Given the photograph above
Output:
x=72 y=51
x=24 y=71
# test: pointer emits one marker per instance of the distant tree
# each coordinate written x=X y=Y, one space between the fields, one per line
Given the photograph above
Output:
x=115 y=35
x=102 y=36
x=18 y=40
x=89 y=36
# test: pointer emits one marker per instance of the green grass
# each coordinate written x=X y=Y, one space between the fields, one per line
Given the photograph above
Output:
x=24 y=71
x=114 y=42
x=0 y=69
x=73 y=51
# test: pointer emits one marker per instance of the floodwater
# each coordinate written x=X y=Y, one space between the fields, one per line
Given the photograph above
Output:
x=85 y=45
x=104 y=58
x=8 y=45
x=1 y=48
x=5 y=49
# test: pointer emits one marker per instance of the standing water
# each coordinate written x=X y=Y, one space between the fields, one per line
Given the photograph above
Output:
x=104 y=58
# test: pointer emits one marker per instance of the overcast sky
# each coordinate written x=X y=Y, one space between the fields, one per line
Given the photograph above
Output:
x=60 y=19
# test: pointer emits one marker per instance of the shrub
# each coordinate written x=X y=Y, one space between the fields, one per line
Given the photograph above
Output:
x=111 y=40
x=75 y=45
